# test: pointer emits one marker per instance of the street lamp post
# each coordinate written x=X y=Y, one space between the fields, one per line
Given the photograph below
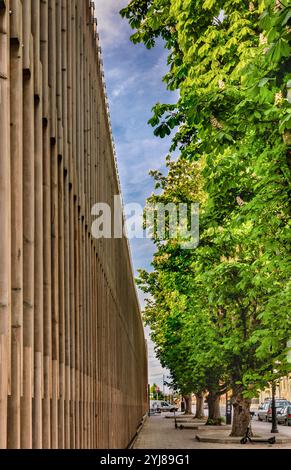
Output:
x=228 y=409
x=274 y=429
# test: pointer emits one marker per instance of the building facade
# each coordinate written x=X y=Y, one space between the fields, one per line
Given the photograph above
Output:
x=73 y=367
x=283 y=390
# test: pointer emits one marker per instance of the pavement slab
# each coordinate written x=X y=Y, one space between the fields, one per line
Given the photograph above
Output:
x=160 y=433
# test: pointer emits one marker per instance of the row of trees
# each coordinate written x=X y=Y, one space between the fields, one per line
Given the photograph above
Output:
x=219 y=313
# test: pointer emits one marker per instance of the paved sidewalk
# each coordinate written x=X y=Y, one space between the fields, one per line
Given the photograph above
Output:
x=160 y=433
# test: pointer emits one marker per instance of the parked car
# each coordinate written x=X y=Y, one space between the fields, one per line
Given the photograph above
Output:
x=289 y=415
x=279 y=405
x=165 y=406
x=159 y=405
x=263 y=410
x=282 y=415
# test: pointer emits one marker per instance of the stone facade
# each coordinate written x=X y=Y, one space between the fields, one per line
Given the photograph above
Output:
x=283 y=390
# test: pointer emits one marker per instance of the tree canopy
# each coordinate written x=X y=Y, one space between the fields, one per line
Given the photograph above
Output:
x=220 y=313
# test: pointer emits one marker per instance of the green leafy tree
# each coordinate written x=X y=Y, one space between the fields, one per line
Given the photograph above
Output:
x=187 y=341
x=230 y=61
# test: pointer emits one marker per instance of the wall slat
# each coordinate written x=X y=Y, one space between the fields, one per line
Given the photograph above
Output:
x=73 y=367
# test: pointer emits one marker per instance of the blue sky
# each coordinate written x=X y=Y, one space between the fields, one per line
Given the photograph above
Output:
x=133 y=79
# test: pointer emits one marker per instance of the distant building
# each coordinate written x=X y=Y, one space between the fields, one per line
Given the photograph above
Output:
x=283 y=390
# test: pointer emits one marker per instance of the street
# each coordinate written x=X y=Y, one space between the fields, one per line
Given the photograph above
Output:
x=260 y=425
x=266 y=427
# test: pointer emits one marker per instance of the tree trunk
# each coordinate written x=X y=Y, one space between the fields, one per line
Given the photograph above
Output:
x=188 y=404
x=214 y=416
x=199 y=406
x=241 y=415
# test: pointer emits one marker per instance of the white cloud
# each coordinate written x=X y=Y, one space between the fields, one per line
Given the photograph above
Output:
x=122 y=87
x=111 y=26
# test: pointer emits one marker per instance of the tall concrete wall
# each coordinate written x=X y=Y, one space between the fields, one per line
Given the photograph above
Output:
x=73 y=367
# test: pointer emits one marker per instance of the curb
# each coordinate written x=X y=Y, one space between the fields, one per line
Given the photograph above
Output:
x=234 y=440
x=224 y=427
x=140 y=427
x=201 y=426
